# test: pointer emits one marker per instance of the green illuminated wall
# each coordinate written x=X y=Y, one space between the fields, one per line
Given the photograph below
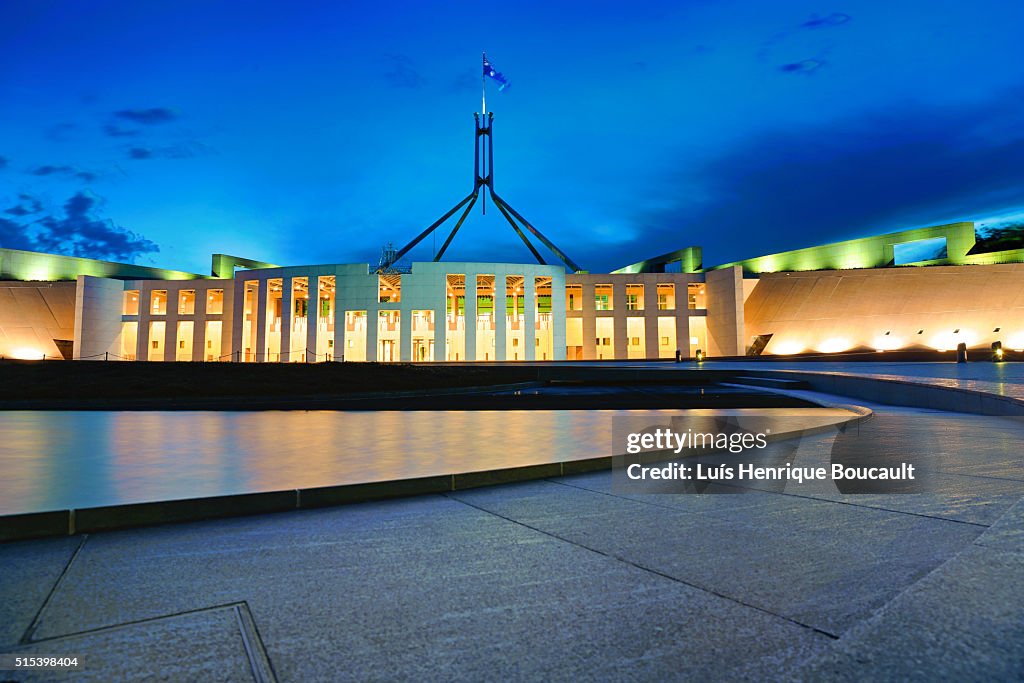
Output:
x=870 y=252
x=30 y=265
x=689 y=260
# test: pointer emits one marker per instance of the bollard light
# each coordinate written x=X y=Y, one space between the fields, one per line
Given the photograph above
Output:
x=699 y=356
x=997 y=351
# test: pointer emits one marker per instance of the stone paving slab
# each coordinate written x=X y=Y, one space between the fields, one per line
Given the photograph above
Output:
x=28 y=572
x=962 y=622
x=822 y=564
x=438 y=591
x=206 y=645
x=1007 y=533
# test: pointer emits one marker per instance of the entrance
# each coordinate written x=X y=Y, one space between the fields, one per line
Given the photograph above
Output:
x=387 y=351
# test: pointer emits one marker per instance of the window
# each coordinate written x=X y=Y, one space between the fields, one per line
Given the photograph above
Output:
x=634 y=297
x=666 y=297
x=389 y=288
x=603 y=300
x=695 y=297
x=214 y=301
x=574 y=297
x=187 y=302
x=158 y=302
x=131 y=303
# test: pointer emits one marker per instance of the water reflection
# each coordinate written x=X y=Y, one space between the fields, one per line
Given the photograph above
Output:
x=60 y=460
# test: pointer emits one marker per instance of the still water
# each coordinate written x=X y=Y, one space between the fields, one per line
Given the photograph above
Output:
x=53 y=460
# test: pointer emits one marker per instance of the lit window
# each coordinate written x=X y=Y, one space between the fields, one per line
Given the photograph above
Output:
x=634 y=297
x=187 y=302
x=158 y=302
x=666 y=297
x=214 y=301
x=131 y=303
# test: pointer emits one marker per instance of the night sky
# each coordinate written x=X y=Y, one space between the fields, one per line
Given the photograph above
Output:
x=302 y=133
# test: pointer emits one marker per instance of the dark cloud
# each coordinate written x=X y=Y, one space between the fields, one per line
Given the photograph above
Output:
x=115 y=131
x=26 y=206
x=147 y=117
x=62 y=170
x=400 y=73
x=886 y=171
x=803 y=67
x=77 y=233
x=50 y=169
x=182 y=150
x=834 y=19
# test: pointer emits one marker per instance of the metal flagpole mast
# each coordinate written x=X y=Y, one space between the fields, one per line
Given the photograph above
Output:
x=483 y=179
x=483 y=115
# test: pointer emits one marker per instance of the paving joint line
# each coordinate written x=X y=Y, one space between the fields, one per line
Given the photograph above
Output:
x=651 y=570
x=37 y=620
x=256 y=653
x=133 y=622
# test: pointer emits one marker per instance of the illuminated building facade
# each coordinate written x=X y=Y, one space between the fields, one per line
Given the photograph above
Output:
x=927 y=288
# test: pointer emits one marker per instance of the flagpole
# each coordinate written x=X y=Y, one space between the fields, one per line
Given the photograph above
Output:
x=483 y=87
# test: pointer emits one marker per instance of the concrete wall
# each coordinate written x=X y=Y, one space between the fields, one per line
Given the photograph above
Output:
x=33 y=315
x=828 y=311
x=725 y=312
x=98 y=304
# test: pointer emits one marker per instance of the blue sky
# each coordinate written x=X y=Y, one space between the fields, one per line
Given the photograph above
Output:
x=310 y=132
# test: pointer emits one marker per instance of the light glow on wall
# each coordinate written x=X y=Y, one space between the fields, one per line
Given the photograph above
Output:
x=946 y=341
x=834 y=345
x=887 y=342
x=787 y=347
x=1016 y=342
x=27 y=353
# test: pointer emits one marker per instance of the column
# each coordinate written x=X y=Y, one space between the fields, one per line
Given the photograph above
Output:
x=470 y=316
x=530 y=315
x=171 y=326
x=199 y=328
x=260 y=351
x=589 y=315
x=405 y=333
x=619 y=312
x=287 y=318
x=440 y=331
x=142 y=335
x=500 y=316
x=372 y=321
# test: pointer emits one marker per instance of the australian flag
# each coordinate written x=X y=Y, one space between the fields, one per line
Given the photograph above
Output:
x=490 y=71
